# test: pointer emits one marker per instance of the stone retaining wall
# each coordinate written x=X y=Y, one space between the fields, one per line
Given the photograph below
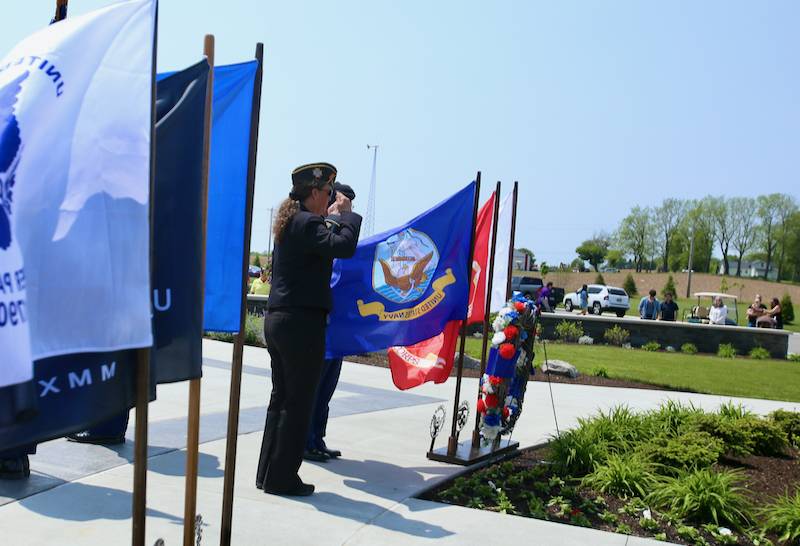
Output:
x=707 y=337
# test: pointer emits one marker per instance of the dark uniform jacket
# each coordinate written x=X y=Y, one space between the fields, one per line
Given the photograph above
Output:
x=302 y=260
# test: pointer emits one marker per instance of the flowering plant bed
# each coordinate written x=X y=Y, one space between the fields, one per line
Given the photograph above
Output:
x=676 y=474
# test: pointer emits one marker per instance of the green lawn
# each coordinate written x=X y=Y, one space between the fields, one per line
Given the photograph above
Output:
x=769 y=379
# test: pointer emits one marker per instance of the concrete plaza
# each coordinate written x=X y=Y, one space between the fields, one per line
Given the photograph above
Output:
x=81 y=494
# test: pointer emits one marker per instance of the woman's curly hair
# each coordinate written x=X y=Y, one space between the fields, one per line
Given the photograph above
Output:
x=289 y=207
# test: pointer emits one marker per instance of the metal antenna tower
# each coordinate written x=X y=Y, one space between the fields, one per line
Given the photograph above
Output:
x=369 y=227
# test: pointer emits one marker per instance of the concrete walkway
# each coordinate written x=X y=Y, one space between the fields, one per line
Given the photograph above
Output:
x=82 y=494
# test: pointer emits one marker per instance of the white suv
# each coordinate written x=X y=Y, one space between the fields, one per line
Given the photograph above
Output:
x=601 y=298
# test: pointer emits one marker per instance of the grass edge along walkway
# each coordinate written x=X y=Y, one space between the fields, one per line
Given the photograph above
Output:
x=767 y=379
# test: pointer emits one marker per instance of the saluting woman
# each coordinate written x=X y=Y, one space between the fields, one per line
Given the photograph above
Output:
x=298 y=307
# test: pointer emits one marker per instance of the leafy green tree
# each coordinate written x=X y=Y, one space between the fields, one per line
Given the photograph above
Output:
x=744 y=213
x=577 y=264
x=615 y=257
x=637 y=235
x=787 y=309
x=669 y=287
x=593 y=251
x=544 y=269
x=721 y=213
x=772 y=209
x=630 y=285
x=668 y=218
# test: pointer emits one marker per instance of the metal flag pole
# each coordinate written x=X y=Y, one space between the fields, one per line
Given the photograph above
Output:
x=238 y=341
x=476 y=435
x=193 y=429
x=61 y=11
x=452 y=441
x=511 y=242
x=139 y=506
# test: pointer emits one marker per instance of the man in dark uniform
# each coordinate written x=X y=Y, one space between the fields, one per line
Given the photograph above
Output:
x=316 y=449
x=299 y=302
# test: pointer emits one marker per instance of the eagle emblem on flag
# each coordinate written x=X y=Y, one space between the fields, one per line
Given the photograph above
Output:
x=10 y=146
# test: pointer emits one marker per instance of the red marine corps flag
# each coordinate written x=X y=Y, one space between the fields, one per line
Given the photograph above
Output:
x=432 y=359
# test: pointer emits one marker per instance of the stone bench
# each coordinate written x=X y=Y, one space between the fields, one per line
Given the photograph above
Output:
x=707 y=337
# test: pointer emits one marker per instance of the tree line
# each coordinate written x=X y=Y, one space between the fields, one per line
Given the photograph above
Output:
x=765 y=228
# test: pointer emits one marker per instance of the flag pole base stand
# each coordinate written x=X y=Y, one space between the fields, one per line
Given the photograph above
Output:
x=466 y=454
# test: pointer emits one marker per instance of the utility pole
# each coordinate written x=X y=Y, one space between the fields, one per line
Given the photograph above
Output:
x=691 y=259
x=369 y=225
x=269 y=233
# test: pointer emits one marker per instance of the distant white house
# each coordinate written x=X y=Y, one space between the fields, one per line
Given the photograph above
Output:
x=754 y=269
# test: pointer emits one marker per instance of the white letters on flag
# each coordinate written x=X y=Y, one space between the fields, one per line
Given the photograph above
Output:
x=502 y=243
x=75 y=107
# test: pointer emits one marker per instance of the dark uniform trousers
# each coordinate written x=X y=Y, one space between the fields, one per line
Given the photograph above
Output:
x=319 y=419
x=296 y=343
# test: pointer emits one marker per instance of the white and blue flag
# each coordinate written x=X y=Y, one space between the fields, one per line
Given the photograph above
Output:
x=75 y=123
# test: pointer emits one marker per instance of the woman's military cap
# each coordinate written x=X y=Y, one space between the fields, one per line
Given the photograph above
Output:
x=313 y=174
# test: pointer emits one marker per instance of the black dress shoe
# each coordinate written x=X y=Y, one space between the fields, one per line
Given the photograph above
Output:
x=332 y=453
x=15 y=468
x=86 y=438
x=315 y=455
x=299 y=490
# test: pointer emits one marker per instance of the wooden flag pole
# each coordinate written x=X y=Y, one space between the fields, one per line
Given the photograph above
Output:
x=452 y=441
x=476 y=434
x=139 y=508
x=511 y=242
x=61 y=10
x=238 y=341
x=193 y=430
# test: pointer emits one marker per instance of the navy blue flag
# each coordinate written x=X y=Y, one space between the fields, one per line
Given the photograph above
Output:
x=178 y=225
x=403 y=285
x=234 y=86
x=75 y=392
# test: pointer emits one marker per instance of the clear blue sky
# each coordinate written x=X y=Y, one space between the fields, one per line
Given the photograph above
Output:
x=593 y=106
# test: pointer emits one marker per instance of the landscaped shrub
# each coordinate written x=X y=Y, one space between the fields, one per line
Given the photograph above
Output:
x=651 y=346
x=729 y=410
x=600 y=371
x=783 y=518
x=577 y=451
x=689 y=349
x=568 y=330
x=767 y=437
x=703 y=496
x=617 y=335
x=629 y=285
x=253 y=333
x=726 y=350
x=669 y=287
x=741 y=436
x=787 y=309
x=789 y=421
x=669 y=418
x=624 y=476
x=687 y=451
x=599 y=279
x=759 y=353
x=794 y=357
x=619 y=428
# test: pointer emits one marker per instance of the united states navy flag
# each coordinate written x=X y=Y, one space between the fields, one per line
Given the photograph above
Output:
x=178 y=225
x=403 y=285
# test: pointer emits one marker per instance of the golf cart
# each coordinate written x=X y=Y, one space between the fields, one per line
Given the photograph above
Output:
x=705 y=300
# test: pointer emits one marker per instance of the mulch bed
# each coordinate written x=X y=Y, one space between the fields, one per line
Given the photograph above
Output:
x=380 y=360
x=767 y=477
